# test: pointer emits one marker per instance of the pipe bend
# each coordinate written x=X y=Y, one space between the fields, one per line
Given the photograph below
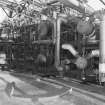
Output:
x=61 y=19
x=71 y=49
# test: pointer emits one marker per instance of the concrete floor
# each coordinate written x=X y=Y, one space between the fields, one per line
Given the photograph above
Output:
x=27 y=92
x=30 y=91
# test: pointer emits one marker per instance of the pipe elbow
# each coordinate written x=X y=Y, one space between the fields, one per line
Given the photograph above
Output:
x=62 y=19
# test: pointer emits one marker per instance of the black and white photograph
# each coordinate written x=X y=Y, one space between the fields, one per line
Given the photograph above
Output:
x=52 y=52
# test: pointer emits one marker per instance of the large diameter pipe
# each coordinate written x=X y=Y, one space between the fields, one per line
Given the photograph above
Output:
x=102 y=51
x=58 y=32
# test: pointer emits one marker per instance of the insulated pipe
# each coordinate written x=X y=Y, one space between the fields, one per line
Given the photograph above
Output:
x=80 y=62
x=71 y=49
x=94 y=53
x=59 y=20
x=102 y=51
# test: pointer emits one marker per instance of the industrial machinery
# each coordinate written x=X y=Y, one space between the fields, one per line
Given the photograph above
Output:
x=55 y=37
x=83 y=46
x=78 y=46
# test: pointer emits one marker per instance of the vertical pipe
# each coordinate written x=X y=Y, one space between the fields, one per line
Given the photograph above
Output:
x=102 y=51
x=58 y=32
x=55 y=32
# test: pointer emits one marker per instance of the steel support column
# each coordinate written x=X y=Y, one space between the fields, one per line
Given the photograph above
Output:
x=102 y=51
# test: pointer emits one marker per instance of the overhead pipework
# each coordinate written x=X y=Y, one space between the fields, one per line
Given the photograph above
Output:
x=77 y=5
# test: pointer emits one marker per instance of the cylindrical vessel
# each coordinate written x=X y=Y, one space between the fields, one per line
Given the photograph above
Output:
x=85 y=27
x=43 y=29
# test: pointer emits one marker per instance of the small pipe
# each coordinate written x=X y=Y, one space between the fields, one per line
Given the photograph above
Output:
x=52 y=2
